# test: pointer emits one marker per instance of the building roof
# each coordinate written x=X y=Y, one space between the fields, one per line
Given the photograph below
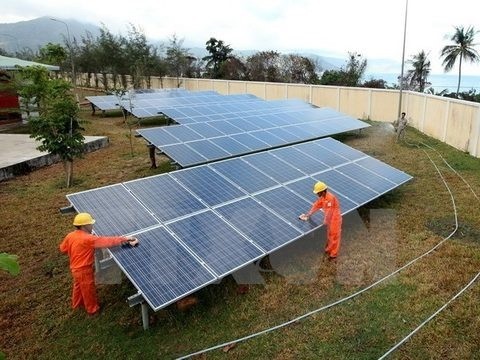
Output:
x=9 y=63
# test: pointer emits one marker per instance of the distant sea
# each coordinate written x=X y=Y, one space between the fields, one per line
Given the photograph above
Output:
x=439 y=81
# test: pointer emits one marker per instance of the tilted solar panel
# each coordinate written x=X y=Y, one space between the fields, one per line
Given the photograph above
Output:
x=254 y=132
x=199 y=224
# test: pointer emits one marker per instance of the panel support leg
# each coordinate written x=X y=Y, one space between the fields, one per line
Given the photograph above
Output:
x=145 y=316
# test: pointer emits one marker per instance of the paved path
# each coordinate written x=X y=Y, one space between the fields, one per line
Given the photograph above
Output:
x=18 y=153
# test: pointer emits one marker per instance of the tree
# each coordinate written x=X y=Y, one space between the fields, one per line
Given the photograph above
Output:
x=56 y=123
x=298 y=69
x=178 y=58
x=462 y=49
x=264 y=66
x=53 y=54
x=349 y=75
x=417 y=77
x=219 y=54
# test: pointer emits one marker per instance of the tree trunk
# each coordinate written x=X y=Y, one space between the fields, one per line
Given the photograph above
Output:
x=459 y=74
x=68 y=172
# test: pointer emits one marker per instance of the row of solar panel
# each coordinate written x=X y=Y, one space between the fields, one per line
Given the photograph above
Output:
x=197 y=225
x=159 y=99
x=204 y=113
x=199 y=143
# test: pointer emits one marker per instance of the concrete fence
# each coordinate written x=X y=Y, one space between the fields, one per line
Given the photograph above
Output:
x=452 y=121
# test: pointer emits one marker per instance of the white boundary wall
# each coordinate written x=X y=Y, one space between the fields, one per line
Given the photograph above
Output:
x=451 y=121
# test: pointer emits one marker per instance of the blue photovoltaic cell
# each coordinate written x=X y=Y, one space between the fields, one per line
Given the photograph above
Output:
x=207 y=185
x=158 y=136
x=230 y=145
x=208 y=149
x=115 y=210
x=273 y=167
x=216 y=242
x=367 y=178
x=385 y=170
x=320 y=153
x=340 y=149
x=164 y=197
x=244 y=175
x=183 y=133
x=244 y=125
x=260 y=225
x=300 y=160
x=205 y=130
x=250 y=141
x=289 y=205
x=285 y=135
x=161 y=268
x=268 y=137
x=300 y=131
x=225 y=127
x=346 y=186
x=184 y=155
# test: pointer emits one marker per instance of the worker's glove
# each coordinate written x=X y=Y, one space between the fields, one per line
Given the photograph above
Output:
x=131 y=241
x=304 y=217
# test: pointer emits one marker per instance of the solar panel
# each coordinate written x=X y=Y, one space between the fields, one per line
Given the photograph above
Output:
x=164 y=196
x=215 y=242
x=259 y=224
x=208 y=186
x=115 y=209
x=197 y=225
x=162 y=268
x=244 y=175
x=314 y=125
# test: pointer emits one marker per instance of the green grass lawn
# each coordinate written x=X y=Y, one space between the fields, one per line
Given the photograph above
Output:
x=36 y=321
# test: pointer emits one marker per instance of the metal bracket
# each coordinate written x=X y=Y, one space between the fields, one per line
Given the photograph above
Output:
x=67 y=210
x=105 y=263
x=135 y=299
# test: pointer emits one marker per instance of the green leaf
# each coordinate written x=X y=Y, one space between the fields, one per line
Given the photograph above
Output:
x=9 y=263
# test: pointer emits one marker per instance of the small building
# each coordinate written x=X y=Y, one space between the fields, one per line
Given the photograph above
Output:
x=9 y=101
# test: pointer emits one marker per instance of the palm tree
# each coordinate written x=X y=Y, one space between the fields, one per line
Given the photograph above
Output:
x=417 y=77
x=463 y=48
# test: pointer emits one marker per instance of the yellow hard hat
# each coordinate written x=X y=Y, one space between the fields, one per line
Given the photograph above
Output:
x=83 y=219
x=319 y=187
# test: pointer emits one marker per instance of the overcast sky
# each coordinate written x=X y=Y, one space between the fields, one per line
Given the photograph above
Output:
x=373 y=28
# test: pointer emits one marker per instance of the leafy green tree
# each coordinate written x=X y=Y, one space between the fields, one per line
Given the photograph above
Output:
x=463 y=48
x=55 y=120
x=417 y=77
x=54 y=54
x=349 y=75
x=219 y=54
x=375 y=84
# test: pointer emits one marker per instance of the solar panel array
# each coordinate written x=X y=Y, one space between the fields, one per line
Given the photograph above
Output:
x=197 y=225
x=153 y=106
x=112 y=102
x=202 y=142
x=231 y=110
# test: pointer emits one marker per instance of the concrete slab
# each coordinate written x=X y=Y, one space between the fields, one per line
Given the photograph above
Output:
x=18 y=154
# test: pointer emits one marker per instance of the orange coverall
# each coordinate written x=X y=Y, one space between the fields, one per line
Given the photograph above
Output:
x=332 y=219
x=80 y=246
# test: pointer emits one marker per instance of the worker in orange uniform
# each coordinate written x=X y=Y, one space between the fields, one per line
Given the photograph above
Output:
x=332 y=217
x=80 y=246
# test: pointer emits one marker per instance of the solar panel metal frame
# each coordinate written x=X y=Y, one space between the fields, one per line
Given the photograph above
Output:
x=216 y=207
